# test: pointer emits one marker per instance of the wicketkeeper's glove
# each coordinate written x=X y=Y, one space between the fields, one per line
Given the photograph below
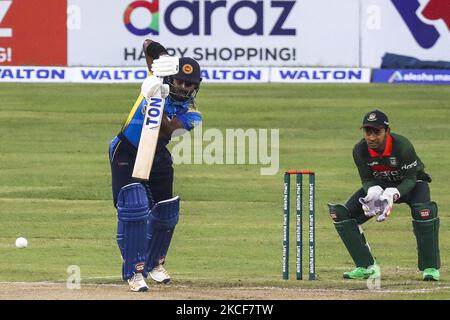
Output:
x=389 y=196
x=371 y=202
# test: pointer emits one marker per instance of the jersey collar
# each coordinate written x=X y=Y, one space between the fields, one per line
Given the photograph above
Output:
x=387 y=150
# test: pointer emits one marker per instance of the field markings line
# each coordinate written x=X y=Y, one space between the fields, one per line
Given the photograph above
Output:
x=311 y=290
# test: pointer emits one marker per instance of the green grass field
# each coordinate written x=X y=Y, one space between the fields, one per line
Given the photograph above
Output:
x=55 y=184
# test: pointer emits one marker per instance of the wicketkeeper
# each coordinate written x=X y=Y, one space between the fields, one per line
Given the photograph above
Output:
x=148 y=211
x=391 y=172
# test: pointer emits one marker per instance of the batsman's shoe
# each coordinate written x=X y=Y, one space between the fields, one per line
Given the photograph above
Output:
x=363 y=273
x=159 y=274
x=137 y=283
x=431 y=274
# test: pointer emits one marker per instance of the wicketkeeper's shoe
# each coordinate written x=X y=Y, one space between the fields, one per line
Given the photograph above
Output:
x=363 y=273
x=137 y=283
x=159 y=274
x=431 y=274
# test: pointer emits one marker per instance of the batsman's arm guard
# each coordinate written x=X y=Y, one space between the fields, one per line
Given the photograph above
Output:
x=426 y=229
x=155 y=49
x=133 y=213
x=162 y=221
x=152 y=50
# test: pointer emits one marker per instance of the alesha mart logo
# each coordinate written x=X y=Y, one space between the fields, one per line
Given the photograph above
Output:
x=424 y=33
x=395 y=77
x=152 y=8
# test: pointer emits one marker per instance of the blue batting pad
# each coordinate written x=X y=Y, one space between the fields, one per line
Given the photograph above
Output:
x=133 y=213
x=162 y=221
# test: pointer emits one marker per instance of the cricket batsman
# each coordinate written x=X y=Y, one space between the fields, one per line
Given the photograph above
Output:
x=147 y=211
x=391 y=173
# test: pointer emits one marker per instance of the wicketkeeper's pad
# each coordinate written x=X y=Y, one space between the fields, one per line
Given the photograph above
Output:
x=162 y=221
x=352 y=235
x=426 y=229
x=133 y=214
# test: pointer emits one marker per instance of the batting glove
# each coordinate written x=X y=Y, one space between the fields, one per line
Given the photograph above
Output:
x=150 y=87
x=371 y=204
x=389 y=196
x=165 y=66
x=165 y=90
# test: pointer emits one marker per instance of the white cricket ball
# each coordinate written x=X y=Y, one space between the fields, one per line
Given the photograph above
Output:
x=21 y=242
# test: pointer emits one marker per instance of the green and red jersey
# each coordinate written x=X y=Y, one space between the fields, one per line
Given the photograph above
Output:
x=398 y=166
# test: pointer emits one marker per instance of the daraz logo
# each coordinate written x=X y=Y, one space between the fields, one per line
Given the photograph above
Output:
x=200 y=14
x=152 y=7
x=425 y=34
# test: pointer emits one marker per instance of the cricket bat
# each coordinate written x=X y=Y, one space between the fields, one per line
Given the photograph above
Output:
x=149 y=136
